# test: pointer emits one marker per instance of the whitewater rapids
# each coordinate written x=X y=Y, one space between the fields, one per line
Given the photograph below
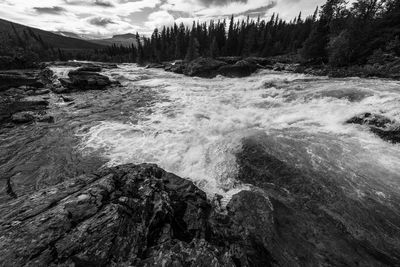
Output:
x=194 y=127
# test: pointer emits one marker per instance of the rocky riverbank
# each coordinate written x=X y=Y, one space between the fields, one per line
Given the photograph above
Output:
x=140 y=215
x=25 y=94
x=241 y=67
x=210 y=68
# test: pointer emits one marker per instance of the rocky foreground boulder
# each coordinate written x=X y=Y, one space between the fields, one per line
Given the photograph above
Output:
x=385 y=128
x=131 y=215
x=140 y=215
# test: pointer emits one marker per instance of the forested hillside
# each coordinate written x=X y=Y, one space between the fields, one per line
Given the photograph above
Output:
x=23 y=47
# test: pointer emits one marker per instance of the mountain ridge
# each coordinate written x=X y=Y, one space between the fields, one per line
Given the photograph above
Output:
x=50 y=38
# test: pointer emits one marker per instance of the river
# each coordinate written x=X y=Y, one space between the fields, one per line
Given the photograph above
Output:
x=195 y=128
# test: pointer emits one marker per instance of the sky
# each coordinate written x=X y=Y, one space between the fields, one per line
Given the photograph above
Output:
x=104 y=18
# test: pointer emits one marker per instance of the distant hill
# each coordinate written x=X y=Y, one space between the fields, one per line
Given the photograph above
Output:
x=70 y=34
x=122 y=39
x=52 y=39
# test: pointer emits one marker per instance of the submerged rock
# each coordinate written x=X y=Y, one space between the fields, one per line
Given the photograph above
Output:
x=385 y=128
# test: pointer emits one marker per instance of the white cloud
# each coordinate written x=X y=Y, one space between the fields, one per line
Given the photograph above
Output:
x=159 y=19
x=137 y=15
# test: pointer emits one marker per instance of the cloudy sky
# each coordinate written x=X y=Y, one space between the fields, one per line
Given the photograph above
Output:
x=108 y=17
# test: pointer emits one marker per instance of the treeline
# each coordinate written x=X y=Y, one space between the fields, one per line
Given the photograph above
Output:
x=337 y=34
x=221 y=38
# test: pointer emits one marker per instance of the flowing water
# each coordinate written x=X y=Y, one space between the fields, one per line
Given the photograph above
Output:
x=194 y=128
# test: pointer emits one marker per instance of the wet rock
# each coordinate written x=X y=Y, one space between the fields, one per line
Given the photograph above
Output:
x=242 y=68
x=385 y=128
x=25 y=79
x=67 y=99
x=46 y=75
x=9 y=79
x=260 y=61
x=21 y=110
x=30 y=116
x=90 y=68
x=155 y=66
x=41 y=92
x=229 y=60
x=140 y=215
x=371 y=120
x=59 y=89
x=176 y=67
x=307 y=219
x=203 y=67
x=23 y=117
x=85 y=80
x=131 y=215
x=78 y=64
x=45 y=118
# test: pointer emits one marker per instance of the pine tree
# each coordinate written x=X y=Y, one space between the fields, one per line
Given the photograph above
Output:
x=214 y=50
x=193 y=48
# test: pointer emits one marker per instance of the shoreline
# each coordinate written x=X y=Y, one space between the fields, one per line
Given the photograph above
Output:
x=232 y=67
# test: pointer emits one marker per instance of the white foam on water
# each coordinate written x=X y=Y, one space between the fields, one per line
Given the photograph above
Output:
x=197 y=131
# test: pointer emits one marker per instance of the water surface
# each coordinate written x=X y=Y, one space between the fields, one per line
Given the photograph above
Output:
x=195 y=128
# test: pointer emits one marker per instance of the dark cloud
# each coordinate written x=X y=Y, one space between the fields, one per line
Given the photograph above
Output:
x=103 y=3
x=179 y=14
x=99 y=21
x=49 y=10
x=220 y=2
x=258 y=11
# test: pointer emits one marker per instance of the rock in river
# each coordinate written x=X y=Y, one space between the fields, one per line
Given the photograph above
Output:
x=203 y=67
x=242 y=68
x=385 y=128
x=85 y=80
